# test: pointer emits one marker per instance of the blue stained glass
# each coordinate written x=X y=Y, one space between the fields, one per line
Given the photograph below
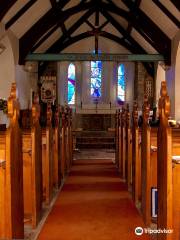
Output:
x=121 y=84
x=96 y=74
x=71 y=84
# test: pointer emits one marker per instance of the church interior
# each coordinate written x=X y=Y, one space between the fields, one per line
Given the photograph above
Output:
x=90 y=119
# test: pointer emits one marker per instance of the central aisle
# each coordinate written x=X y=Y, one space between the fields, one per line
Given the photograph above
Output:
x=94 y=204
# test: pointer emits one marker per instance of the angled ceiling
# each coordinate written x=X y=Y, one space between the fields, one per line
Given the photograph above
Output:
x=141 y=26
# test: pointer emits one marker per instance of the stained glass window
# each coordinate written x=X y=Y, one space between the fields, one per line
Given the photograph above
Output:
x=71 y=84
x=96 y=74
x=121 y=84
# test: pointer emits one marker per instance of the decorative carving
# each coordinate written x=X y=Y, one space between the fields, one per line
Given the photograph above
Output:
x=164 y=104
x=146 y=109
x=135 y=114
x=127 y=115
x=35 y=109
x=49 y=114
x=13 y=104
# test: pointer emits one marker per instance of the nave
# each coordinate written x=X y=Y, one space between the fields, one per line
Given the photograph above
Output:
x=94 y=204
x=83 y=75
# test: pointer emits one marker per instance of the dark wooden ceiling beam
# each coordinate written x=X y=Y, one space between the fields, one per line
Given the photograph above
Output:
x=58 y=8
x=70 y=31
x=104 y=24
x=146 y=27
x=5 y=5
x=176 y=3
x=19 y=14
x=122 y=31
x=89 y=24
x=149 y=66
x=28 y=40
x=167 y=13
x=44 y=38
x=136 y=6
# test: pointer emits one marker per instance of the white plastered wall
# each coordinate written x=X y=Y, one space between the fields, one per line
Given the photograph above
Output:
x=11 y=72
x=172 y=78
x=160 y=76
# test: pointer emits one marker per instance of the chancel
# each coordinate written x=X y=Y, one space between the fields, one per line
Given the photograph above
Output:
x=90 y=119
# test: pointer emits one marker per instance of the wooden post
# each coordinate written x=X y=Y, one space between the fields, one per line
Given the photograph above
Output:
x=56 y=145
x=14 y=213
x=63 y=143
x=128 y=148
x=47 y=157
x=119 y=141
x=123 y=150
x=146 y=165
x=116 y=139
x=32 y=166
x=164 y=166
x=71 y=137
x=136 y=160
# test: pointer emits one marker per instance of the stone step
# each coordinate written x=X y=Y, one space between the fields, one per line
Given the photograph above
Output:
x=95 y=140
x=95 y=145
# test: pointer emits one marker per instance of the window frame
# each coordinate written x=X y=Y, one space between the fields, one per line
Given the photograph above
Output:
x=120 y=102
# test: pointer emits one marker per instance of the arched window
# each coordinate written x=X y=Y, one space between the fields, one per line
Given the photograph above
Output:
x=96 y=78
x=71 y=83
x=121 y=84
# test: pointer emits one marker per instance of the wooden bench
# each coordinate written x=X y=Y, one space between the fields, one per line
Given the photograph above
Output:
x=47 y=157
x=57 y=150
x=136 y=156
x=128 y=148
x=11 y=175
x=62 y=142
x=32 y=165
x=122 y=143
x=117 y=138
x=168 y=171
x=148 y=162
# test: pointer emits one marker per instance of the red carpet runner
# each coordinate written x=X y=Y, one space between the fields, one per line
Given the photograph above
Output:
x=93 y=205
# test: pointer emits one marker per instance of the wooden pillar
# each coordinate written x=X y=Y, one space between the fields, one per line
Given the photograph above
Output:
x=56 y=147
x=146 y=165
x=164 y=177
x=128 y=147
x=32 y=164
x=136 y=160
x=63 y=143
x=122 y=139
x=47 y=157
x=13 y=209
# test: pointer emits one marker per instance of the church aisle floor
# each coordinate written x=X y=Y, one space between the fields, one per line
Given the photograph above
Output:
x=94 y=204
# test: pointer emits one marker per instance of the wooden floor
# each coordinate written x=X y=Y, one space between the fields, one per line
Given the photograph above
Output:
x=94 y=204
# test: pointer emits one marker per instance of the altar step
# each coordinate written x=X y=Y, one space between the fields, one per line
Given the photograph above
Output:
x=95 y=139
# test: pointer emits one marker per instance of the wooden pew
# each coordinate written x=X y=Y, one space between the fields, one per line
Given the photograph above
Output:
x=67 y=135
x=11 y=175
x=148 y=162
x=128 y=148
x=32 y=165
x=168 y=171
x=62 y=114
x=68 y=138
x=136 y=157
x=71 y=136
x=117 y=138
x=123 y=145
x=56 y=150
x=176 y=182
x=47 y=157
